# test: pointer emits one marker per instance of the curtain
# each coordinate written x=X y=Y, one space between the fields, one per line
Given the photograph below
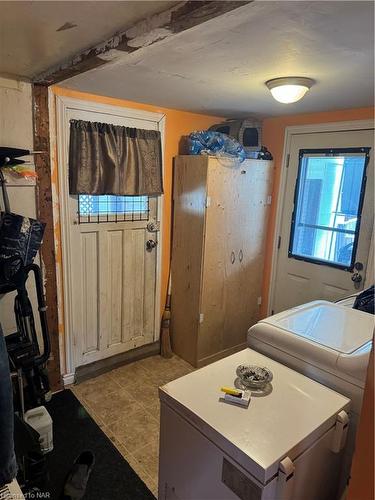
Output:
x=111 y=159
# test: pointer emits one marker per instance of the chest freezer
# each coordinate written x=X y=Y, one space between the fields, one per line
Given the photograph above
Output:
x=288 y=444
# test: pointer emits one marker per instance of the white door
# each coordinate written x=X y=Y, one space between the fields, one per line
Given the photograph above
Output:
x=112 y=246
x=327 y=219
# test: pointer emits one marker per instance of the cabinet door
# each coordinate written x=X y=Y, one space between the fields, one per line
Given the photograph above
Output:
x=252 y=188
x=219 y=252
x=188 y=236
x=236 y=224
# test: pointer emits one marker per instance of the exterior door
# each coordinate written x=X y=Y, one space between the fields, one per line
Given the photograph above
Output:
x=113 y=253
x=327 y=219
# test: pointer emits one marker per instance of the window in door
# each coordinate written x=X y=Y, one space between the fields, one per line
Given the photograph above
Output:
x=327 y=206
x=111 y=208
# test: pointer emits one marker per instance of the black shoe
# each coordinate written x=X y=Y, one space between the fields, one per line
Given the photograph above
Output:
x=75 y=485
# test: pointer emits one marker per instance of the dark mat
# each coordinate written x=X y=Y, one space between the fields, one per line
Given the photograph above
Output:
x=74 y=431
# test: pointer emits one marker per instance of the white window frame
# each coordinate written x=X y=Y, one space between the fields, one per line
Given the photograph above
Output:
x=58 y=108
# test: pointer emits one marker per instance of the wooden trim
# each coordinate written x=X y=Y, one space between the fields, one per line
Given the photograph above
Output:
x=289 y=132
x=44 y=213
x=160 y=249
x=179 y=18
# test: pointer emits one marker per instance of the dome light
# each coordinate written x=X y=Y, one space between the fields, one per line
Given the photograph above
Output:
x=289 y=89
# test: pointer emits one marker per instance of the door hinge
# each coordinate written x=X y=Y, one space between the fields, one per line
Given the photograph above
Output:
x=279 y=243
x=259 y=301
x=287 y=160
x=285 y=479
x=201 y=318
x=208 y=201
x=340 y=432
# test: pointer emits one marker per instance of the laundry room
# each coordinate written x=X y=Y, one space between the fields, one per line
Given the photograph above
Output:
x=187 y=250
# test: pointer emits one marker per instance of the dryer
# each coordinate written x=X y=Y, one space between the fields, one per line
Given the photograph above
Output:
x=328 y=342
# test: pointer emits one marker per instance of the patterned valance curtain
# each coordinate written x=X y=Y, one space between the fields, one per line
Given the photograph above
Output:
x=111 y=159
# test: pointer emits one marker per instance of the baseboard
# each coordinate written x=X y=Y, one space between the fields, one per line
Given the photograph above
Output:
x=92 y=370
x=68 y=379
x=222 y=354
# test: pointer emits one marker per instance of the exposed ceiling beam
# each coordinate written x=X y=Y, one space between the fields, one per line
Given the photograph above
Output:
x=181 y=17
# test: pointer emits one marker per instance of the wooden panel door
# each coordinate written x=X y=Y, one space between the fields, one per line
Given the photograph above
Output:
x=113 y=290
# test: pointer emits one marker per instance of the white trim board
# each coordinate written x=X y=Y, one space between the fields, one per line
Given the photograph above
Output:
x=60 y=200
x=68 y=379
x=289 y=132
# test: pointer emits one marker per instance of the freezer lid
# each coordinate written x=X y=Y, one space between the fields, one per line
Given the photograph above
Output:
x=285 y=422
x=334 y=326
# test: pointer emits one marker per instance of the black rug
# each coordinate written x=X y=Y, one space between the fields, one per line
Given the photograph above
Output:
x=74 y=431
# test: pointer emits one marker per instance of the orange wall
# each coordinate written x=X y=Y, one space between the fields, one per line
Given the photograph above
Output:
x=273 y=138
x=178 y=123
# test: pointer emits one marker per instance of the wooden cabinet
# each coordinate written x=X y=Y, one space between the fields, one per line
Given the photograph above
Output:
x=219 y=229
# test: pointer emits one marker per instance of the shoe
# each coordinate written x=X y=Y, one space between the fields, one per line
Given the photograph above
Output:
x=75 y=485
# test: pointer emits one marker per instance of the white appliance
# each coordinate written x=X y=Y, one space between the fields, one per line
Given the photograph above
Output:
x=40 y=420
x=327 y=342
x=288 y=444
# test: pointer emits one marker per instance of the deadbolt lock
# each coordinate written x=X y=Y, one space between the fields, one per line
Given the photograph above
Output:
x=153 y=226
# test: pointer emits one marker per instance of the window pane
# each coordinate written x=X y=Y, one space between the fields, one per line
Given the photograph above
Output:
x=110 y=204
x=325 y=223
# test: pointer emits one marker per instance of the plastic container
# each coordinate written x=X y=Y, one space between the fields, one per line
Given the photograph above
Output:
x=215 y=143
x=40 y=420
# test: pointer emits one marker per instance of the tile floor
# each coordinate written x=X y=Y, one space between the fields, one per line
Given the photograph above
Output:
x=132 y=423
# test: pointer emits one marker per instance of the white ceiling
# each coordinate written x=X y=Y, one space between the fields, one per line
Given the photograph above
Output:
x=31 y=44
x=220 y=67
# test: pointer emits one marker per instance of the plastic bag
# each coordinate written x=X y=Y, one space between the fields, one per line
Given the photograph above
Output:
x=20 y=236
x=365 y=300
x=215 y=143
x=21 y=171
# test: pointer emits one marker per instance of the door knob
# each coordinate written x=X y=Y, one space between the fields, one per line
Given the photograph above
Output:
x=150 y=245
x=356 y=277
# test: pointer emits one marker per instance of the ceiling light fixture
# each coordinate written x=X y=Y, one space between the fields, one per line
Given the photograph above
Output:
x=289 y=89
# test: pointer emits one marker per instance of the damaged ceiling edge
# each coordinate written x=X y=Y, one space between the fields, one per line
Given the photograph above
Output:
x=175 y=20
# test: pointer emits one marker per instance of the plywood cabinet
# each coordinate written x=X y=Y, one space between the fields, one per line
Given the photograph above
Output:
x=220 y=211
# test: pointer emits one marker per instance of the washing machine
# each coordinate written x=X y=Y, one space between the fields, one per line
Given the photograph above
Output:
x=328 y=342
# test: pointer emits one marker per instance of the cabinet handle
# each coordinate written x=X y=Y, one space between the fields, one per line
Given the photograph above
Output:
x=240 y=255
x=232 y=257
